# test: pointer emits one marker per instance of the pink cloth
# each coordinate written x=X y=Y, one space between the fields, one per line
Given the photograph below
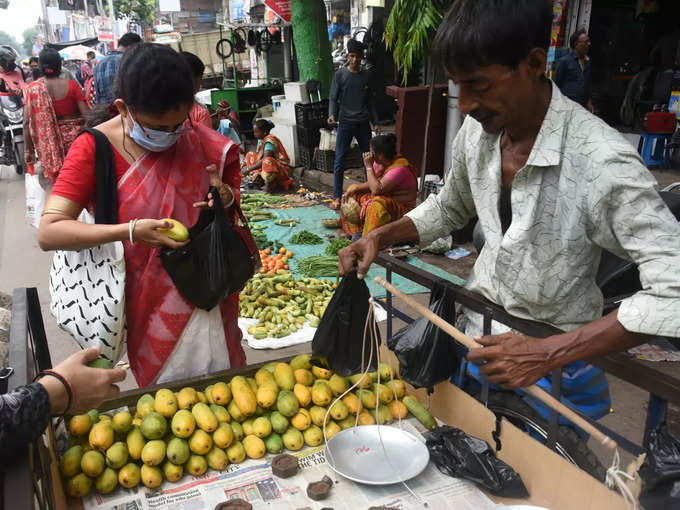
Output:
x=401 y=176
x=14 y=80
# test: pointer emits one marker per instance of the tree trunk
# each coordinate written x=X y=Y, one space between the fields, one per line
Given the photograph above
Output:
x=310 y=35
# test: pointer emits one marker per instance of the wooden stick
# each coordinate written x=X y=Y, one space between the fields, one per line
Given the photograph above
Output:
x=468 y=342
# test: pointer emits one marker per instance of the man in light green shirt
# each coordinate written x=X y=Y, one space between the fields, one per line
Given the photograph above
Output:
x=552 y=186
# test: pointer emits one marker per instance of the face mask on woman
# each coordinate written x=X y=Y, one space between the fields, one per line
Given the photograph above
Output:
x=152 y=139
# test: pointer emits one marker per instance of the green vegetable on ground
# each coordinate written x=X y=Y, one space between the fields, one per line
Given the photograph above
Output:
x=261 y=199
x=306 y=237
x=336 y=245
x=420 y=411
x=287 y=222
x=318 y=265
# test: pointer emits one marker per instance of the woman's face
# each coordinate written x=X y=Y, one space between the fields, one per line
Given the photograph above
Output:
x=168 y=121
x=380 y=158
x=259 y=133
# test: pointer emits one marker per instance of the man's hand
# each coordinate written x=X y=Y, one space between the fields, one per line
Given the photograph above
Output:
x=365 y=250
x=331 y=120
x=512 y=361
x=91 y=386
x=589 y=106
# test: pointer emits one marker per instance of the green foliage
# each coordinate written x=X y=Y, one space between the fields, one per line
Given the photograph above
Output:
x=142 y=12
x=30 y=35
x=411 y=28
x=8 y=40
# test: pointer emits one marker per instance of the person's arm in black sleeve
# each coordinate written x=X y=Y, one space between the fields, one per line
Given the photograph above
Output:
x=24 y=414
x=560 y=74
x=333 y=99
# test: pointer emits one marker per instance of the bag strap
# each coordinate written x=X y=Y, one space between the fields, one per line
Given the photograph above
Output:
x=106 y=208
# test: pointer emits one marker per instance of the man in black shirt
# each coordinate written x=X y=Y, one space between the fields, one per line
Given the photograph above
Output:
x=349 y=104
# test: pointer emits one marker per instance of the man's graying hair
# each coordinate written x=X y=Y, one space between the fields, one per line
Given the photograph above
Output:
x=479 y=33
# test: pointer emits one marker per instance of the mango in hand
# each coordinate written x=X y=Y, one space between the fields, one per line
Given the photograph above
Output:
x=178 y=232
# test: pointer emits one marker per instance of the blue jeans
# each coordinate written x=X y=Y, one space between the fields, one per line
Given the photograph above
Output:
x=347 y=131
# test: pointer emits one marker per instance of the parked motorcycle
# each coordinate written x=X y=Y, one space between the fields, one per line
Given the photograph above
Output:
x=12 y=125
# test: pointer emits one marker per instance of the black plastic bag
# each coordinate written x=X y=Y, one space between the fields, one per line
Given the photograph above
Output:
x=462 y=456
x=219 y=259
x=340 y=335
x=661 y=469
x=428 y=355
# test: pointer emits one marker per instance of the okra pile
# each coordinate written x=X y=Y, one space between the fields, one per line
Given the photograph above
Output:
x=282 y=303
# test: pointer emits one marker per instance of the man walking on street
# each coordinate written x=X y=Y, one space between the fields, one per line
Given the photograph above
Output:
x=572 y=74
x=349 y=103
x=106 y=70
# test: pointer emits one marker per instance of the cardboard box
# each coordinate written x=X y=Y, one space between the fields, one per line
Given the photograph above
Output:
x=552 y=481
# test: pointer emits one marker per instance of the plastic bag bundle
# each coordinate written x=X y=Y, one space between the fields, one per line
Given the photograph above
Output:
x=427 y=355
x=218 y=261
x=661 y=470
x=339 y=337
x=462 y=456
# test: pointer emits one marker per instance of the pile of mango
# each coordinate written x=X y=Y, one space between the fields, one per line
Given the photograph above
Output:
x=283 y=303
x=283 y=406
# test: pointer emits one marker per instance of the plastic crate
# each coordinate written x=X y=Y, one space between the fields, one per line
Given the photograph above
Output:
x=312 y=115
x=325 y=160
x=307 y=157
x=308 y=138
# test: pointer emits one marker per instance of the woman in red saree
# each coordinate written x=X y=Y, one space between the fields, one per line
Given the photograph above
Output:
x=53 y=115
x=270 y=163
x=164 y=167
x=390 y=191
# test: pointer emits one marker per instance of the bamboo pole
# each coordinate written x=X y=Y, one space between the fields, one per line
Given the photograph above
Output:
x=533 y=390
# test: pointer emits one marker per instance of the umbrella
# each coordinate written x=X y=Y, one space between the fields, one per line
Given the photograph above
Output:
x=78 y=52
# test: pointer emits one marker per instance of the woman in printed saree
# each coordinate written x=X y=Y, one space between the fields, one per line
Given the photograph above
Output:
x=53 y=115
x=389 y=192
x=269 y=163
x=164 y=166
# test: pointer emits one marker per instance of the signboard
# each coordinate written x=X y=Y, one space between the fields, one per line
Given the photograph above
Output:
x=280 y=7
x=105 y=29
x=169 y=6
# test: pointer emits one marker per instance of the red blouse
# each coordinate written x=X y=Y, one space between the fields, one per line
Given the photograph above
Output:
x=68 y=105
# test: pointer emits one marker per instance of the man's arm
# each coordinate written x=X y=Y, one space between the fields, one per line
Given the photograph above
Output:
x=626 y=216
x=517 y=361
x=560 y=73
x=333 y=99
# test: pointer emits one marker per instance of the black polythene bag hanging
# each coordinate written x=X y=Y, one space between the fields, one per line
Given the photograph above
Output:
x=218 y=260
x=660 y=471
x=340 y=335
x=428 y=355
x=462 y=456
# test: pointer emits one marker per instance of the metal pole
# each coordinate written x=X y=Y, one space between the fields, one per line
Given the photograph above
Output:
x=287 y=57
x=112 y=15
x=46 y=21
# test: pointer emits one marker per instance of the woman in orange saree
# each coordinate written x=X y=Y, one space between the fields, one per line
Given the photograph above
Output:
x=164 y=167
x=53 y=113
x=390 y=190
x=270 y=163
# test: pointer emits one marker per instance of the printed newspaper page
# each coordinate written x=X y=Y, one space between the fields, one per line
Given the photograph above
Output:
x=254 y=482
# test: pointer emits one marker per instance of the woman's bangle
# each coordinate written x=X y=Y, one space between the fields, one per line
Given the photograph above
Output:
x=62 y=379
x=231 y=202
x=131 y=227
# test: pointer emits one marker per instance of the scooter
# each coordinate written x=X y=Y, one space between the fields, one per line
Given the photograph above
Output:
x=12 y=125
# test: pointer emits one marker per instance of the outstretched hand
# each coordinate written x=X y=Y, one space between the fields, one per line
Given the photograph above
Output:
x=364 y=251
x=90 y=386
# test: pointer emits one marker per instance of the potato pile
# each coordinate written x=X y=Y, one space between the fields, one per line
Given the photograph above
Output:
x=283 y=406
